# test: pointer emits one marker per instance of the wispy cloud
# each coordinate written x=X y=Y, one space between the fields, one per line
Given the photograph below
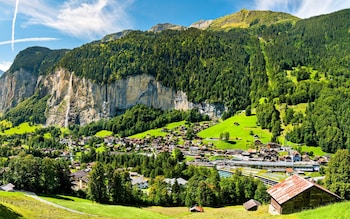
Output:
x=4 y=66
x=33 y=39
x=13 y=25
x=303 y=8
x=80 y=18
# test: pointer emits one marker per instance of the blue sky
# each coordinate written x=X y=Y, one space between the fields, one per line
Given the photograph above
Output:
x=70 y=23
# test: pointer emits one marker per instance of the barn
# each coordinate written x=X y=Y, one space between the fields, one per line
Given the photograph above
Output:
x=296 y=193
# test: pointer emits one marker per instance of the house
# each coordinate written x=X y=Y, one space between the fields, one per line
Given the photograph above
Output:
x=296 y=193
x=196 y=208
x=289 y=171
x=8 y=187
x=80 y=179
x=251 y=205
x=180 y=181
x=140 y=182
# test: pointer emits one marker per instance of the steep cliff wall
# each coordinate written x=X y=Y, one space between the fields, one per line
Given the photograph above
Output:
x=74 y=100
x=78 y=100
x=16 y=87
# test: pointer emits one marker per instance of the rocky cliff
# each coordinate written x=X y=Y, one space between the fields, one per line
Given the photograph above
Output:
x=79 y=100
x=16 y=87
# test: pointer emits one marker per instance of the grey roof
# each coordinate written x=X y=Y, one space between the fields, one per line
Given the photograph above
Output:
x=180 y=181
x=138 y=180
x=251 y=204
x=7 y=187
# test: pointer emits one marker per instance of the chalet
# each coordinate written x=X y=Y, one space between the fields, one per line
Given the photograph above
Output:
x=251 y=205
x=272 y=145
x=80 y=179
x=296 y=193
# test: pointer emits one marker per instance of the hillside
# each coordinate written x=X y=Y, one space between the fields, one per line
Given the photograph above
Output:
x=251 y=19
x=219 y=70
x=19 y=206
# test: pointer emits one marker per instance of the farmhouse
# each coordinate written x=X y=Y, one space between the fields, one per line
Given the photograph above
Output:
x=296 y=193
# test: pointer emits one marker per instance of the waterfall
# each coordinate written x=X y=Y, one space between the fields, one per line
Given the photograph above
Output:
x=68 y=100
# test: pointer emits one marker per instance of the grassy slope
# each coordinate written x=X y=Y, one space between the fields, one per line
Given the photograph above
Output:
x=114 y=211
x=21 y=129
x=238 y=133
x=29 y=208
x=8 y=213
x=245 y=18
x=338 y=210
x=17 y=205
x=103 y=133
x=158 y=132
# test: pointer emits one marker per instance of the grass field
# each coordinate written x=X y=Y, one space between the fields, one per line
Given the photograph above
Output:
x=103 y=133
x=106 y=211
x=240 y=127
x=158 y=132
x=21 y=129
x=17 y=205
x=334 y=211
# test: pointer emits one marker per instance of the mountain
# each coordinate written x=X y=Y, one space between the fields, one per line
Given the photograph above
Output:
x=115 y=36
x=216 y=70
x=247 y=19
x=1 y=72
x=166 y=26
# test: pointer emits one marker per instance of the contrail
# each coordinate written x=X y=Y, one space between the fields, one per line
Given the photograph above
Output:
x=13 y=25
x=35 y=39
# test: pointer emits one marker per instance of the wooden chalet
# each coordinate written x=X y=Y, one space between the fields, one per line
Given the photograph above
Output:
x=296 y=193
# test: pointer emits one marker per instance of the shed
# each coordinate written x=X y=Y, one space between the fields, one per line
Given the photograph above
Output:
x=251 y=205
x=196 y=208
x=296 y=193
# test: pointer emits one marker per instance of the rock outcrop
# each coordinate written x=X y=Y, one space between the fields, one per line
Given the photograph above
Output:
x=16 y=87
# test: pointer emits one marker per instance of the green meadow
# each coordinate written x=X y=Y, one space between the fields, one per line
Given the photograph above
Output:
x=21 y=129
x=106 y=211
x=158 y=132
x=103 y=133
x=15 y=205
x=241 y=128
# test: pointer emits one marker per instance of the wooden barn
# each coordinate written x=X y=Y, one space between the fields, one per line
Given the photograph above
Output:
x=296 y=193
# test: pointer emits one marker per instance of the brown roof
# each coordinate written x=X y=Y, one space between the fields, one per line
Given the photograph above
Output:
x=291 y=187
x=251 y=204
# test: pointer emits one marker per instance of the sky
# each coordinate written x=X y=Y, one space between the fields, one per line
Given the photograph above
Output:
x=58 y=24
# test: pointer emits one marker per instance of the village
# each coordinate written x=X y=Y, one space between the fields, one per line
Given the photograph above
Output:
x=276 y=160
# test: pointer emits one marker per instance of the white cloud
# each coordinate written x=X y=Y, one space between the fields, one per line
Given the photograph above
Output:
x=33 y=39
x=302 y=8
x=80 y=18
x=4 y=66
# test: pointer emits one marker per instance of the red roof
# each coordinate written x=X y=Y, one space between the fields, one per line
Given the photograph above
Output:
x=291 y=187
